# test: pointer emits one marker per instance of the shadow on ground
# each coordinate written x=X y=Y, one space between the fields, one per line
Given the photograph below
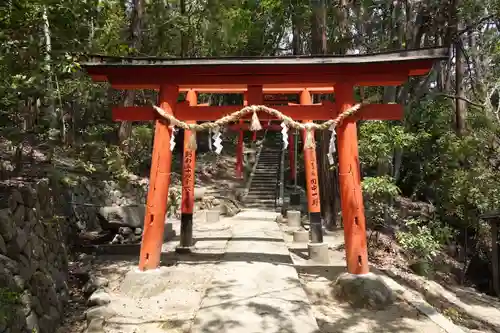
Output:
x=333 y=315
x=269 y=298
x=266 y=311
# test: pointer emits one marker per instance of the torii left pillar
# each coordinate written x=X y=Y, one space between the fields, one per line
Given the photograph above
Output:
x=188 y=179
x=159 y=182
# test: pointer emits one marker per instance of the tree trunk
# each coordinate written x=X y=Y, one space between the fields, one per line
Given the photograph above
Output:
x=328 y=177
x=318 y=27
x=135 y=43
x=184 y=37
x=51 y=108
x=460 y=106
x=297 y=29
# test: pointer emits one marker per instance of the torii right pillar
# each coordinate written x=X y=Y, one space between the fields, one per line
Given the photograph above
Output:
x=358 y=286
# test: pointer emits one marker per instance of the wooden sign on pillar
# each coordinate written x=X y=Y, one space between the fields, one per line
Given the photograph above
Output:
x=312 y=182
x=188 y=180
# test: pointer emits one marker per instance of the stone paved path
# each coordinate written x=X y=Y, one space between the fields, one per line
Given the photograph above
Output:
x=255 y=287
x=241 y=278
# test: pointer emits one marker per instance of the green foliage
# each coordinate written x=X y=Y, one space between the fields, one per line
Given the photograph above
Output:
x=380 y=187
x=8 y=299
x=379 y=191
x=458 y=174
x=419 y=241
x=114 y=157
x=379 y=139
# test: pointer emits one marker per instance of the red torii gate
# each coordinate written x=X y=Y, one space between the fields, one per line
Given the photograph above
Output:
x=254 y=77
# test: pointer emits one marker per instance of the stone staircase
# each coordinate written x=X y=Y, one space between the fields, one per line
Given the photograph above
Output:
x=263 y=186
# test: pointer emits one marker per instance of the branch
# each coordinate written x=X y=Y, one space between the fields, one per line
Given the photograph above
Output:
x=461 y=98
x=469 y=66
x=474 y=25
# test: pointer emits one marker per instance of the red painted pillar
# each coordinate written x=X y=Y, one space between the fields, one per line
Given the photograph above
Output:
x=239 y=153
x=254 y=96
x=353 y=213
x=159 y=182
x=245 y=103
x=188 y=180
x=291 y=153
x=239 y=144
x=312 y=183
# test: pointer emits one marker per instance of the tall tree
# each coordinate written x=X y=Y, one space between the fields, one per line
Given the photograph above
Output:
x=328 y=175
x=135 y=43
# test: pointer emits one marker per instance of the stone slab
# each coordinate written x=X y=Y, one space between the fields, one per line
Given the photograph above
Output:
x=255 y=287
x=301 y=236
x=318 y=252
x=294 y=219
x=212 y=216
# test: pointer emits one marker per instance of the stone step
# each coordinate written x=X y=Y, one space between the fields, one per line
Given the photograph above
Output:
x=251 y=197
x=259 y=205
x=263 y=185
x=262 y=189
x=261 y=202
x=260 y=199
x=268 y=161
x=260 y=194
x=256 y=205
x=270 y=182
x=264 y=176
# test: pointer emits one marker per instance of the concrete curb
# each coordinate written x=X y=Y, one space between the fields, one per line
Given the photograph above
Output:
x=419 y=303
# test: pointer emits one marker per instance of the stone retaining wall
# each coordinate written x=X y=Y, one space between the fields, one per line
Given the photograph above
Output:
x=89 y=195
x=33 y=259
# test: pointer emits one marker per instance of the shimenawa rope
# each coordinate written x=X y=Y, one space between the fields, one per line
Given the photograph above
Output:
x=255 y=123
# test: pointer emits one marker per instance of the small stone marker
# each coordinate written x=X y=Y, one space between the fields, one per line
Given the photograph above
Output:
x=318 y=252
x=293 y=217
x=301 y=236
x=212 y=216
x=168 y=231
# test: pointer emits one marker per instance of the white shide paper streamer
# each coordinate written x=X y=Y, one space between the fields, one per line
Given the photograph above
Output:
x=172 y=138
x=284 y=133
x=331 y=147
x=217 y=142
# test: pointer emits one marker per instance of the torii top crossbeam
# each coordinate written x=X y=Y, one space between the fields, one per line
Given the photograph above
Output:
x=255 y=77
x=319 y=74
x=285 y=73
